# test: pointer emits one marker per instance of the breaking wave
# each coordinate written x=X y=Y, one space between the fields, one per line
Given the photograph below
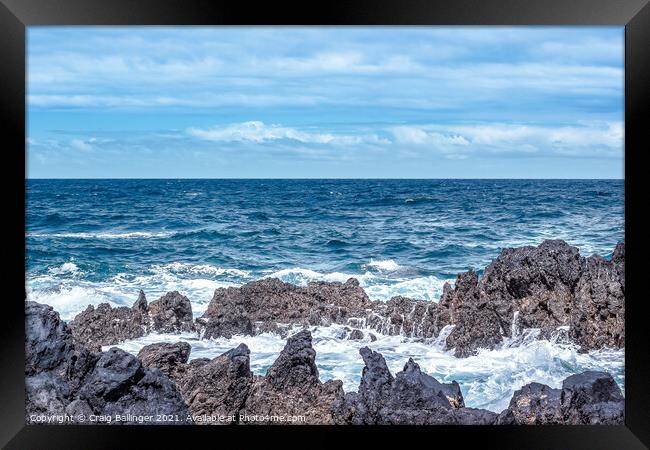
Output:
x=71 y=286
x=105 y=235
x=487 y=380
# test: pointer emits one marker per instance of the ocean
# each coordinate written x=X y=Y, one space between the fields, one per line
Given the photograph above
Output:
x=94 y=241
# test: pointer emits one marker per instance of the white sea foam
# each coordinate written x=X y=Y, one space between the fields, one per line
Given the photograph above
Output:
x=204 y=269
x=421 y=288
x=106 y=235
x=302 y=277
x=384 y=264
x=71 y=295
x=487 y=380
x=377 y=287
x=66 y=268
x=69 y=301
x=64 y=287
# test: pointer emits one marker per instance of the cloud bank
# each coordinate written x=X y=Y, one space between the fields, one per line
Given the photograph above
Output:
x=247 y=101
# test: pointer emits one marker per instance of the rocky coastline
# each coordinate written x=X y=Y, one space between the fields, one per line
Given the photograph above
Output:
x=549 y=287
x=64 y=377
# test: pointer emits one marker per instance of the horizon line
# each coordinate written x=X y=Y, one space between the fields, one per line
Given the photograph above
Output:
x=311 y=178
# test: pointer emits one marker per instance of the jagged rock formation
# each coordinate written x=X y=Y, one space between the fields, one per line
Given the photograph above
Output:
x=588 y=398
x=476 y=323
x=169 y=358
x=105 y=325
x=119 y=384
x=599 y=307
x=544 y=287
x=538 y=282
x=291 y=386
x=62 y=376
x=218 y=387
x=547 y=286
x=65 y=377
x=171 y=313
x=211 y=388
x=225 y=386
x=411 y=397
x=271 y=301
x=533 y=404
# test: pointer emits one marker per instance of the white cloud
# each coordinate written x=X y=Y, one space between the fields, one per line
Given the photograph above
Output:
x=582 y=139
x=453 y=141
x=83 y=145
x=148 y=101
x=258 y=132
x=462 y=67
x=408 y=134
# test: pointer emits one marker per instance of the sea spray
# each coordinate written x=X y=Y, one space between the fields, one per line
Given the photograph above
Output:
x=487 y=380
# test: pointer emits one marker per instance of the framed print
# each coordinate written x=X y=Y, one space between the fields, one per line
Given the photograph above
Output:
x=371 y=218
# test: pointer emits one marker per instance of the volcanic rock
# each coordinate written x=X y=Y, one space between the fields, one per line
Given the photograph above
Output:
x=106 y=325
x=356 y=335
x=63 y=376
x=291 y=387
x=533 y=404
x=411 y=397
x=599 y=307
x=545 y=287
x=218 y=387
x=120 y=385
x=477 y=323
x=234 y=310
x=407 y=317
x=586 y=398
x=171 y=313
x=592 y=398
x=170 y=358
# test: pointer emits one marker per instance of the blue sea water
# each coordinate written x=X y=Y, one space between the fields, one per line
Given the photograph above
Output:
x=92 y=241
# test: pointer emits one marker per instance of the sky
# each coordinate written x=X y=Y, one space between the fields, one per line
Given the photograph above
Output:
x=325 y=102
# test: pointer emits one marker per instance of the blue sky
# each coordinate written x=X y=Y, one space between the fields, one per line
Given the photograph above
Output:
x=326 y=102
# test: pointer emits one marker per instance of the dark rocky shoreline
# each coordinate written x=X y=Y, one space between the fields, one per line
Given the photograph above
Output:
x=548 y=287
x=545 y=287
x=64 y=377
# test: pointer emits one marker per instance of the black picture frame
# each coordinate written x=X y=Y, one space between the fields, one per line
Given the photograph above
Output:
x=16 y=15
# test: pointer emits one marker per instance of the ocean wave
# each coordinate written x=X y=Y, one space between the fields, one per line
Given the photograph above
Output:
x=71 y=295
x=105 y=235
x=69 y=290
x=69 y=301
x=198 y=282
x=201 y=234
x=376 y=286
x=336 y=243
x=302 y=277
x=66 y=268
x=55 y=219
x=204 y=269
x=487 y=380
x=421 y=288
x=384 y=264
